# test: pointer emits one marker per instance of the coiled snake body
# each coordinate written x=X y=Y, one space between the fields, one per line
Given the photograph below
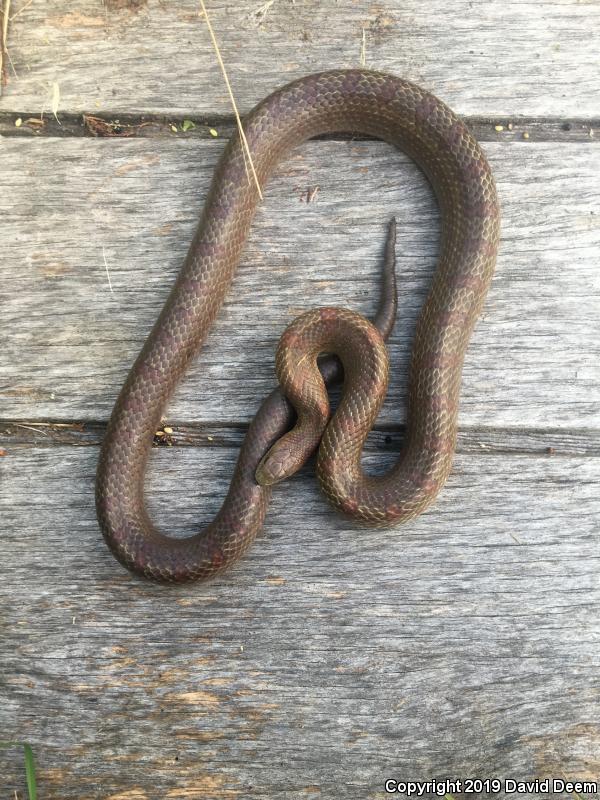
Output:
x=344 y=100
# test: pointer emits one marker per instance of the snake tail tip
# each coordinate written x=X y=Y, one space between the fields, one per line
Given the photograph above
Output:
x=392 y=230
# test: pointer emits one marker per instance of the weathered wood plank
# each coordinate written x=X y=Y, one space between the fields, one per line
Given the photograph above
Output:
x=69 y=206
x=146 y=55
x=464 y=643
x=330 y=658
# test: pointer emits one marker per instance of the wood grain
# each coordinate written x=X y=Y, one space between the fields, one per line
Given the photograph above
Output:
x=146 y=55
x=330 y=658
x=71 y=205
x=464 y=643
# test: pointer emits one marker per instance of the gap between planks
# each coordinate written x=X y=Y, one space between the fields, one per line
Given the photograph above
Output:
x=551 y=442
x=126 y=125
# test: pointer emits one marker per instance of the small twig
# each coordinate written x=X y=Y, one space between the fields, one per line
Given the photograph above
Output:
x=55 y=100
x=107 y=272
x=232 y=98
x=30 y=428
x=264 y=9
x=10 y=61
x=311 y=194
x=23 y=7
x=363 y=48
x=3 y=37
x=54 y=424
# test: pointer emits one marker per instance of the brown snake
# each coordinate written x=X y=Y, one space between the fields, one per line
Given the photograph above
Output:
x=338 y=101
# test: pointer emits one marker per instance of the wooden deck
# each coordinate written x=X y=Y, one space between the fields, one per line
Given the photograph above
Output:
x=463 y=644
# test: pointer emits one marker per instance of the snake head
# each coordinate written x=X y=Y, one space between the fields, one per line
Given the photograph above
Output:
x=285 y=458
x=276 y=465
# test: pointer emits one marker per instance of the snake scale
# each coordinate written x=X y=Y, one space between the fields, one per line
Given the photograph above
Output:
x=359 y=101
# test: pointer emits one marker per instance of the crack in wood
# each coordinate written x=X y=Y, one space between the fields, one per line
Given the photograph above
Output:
x=550 y=442
x=120 y=125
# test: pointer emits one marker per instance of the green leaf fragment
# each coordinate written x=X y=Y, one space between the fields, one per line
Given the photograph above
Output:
x=29 y=766
x=30 y=772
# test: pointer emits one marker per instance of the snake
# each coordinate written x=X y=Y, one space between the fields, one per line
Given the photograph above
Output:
x=295 y=418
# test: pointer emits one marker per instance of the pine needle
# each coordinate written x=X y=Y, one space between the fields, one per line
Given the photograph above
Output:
x=232 y=98
x=3 y=37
